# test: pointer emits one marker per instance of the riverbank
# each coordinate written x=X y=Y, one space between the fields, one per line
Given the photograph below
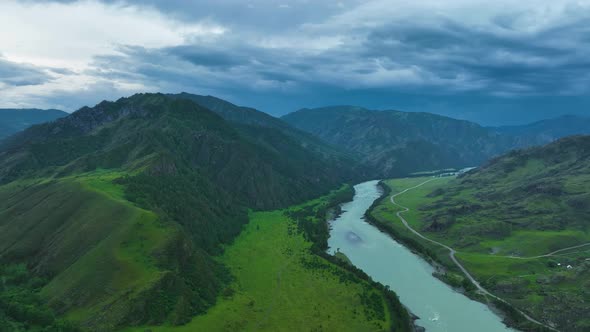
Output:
x=392 y=264
x=280 y=284
x=441 y=270
x=450 y=270
x=312 y=221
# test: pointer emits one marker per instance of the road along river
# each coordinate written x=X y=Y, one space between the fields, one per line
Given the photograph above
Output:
x=439 y=307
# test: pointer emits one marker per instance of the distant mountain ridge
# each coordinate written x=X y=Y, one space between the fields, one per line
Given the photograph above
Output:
x=394 y=143
x=546 y=131
x=15 y=120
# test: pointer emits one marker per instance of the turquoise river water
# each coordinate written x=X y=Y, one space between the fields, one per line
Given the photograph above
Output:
x=439 y=307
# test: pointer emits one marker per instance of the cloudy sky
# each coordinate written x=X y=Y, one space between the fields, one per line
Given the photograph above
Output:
x=495 y=62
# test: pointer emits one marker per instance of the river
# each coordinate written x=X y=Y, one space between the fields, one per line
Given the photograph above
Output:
x=439 y=307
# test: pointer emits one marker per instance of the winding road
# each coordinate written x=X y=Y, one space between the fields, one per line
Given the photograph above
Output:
x=452 y=253
x=553 y=253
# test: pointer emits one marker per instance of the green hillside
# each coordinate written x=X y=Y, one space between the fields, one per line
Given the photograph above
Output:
x=249 y=120
x=540 y=189
x=120 y=207
x=519 y=225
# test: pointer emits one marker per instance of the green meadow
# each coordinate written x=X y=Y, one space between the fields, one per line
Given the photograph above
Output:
x=279 y=285
x=277 y=281
x=385 y=213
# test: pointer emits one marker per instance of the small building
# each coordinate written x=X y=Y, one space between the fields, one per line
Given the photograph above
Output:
x=569 y=267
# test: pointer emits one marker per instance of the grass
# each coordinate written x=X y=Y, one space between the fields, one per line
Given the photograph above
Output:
x=487 y=266
x=103 y=181
x=101 y=251
x=433 y=172
x=122 y=264
x=536 y=243
x=97 y=248
x=386 y=212
x=417 y=197
x=280 y=286
x=341 y=256
x=543 y=287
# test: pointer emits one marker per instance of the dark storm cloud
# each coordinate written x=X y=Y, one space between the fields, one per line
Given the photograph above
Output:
x=453 y=58
x=447 y=56
x=17 y=74
x=445 y=53
x=208 y=57
x=538 y=63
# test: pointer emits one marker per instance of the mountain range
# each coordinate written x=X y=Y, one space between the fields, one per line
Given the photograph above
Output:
x=118 y=211
x=393 y=143
x=374 y=143
x=547 y=131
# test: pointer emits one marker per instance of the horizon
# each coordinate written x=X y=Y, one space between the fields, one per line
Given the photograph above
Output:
x=320 y=107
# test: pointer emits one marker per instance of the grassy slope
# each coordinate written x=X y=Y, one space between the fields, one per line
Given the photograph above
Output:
x=385 y=212
x=97 y=248
x=279 y=283
x=537 y=285
x=281 y=286
x=184 y=164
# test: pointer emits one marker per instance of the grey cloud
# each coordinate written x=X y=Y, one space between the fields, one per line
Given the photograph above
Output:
x=443 y=52
x=508 y=63
x=252 y=15
x=200 y=56
x=17 y=74
x=406 y=58
x=62 y=71
x=70 y=101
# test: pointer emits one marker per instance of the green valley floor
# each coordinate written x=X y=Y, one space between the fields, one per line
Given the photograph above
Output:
x=280 y=285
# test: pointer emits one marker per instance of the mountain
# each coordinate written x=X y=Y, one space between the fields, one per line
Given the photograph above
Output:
x=252 y=118
x=234 y=113
x=396 y=143
x=15 y=120
x=541 y=188
x=119 y=208
x=512 y=222
x=546 y=131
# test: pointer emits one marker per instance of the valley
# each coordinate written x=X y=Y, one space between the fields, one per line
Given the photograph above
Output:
x=280 y=285
x=184 y=212
x=123 y=207
x=296 y=166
